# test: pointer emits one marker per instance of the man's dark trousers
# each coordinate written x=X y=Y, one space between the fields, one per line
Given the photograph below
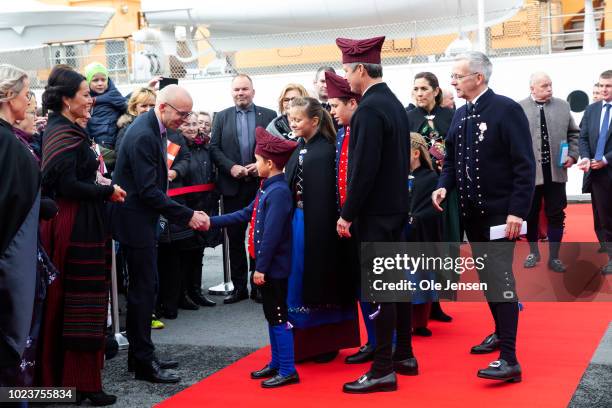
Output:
x=142 y=294
x=236 y=233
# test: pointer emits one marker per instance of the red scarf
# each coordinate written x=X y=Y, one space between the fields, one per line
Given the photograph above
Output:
x=343 y=167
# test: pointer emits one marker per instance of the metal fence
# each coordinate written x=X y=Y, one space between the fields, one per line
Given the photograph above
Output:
x=530 y=29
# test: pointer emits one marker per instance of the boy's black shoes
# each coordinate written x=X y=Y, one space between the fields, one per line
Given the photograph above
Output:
x=279 y=380
x=265 y=372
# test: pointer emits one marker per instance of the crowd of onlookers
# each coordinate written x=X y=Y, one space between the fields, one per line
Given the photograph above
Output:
x=78 y=134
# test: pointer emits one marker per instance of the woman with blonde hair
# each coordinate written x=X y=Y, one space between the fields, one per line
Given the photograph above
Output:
x=142 y=100
x=280 y=125
x=19 y=206
x=320 y=299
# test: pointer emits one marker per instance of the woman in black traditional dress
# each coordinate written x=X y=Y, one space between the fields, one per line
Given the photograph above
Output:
x=432 y=121
x=320 y=301
x=77 y=241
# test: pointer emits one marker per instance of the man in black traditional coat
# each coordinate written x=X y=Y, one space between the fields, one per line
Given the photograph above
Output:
x=377 y=199
x=490 y=160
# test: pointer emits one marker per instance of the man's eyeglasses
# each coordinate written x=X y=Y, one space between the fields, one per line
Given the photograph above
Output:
x=458 y=77
x=183 y=115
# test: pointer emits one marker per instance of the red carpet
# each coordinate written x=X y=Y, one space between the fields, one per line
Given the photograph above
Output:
x=555 y=344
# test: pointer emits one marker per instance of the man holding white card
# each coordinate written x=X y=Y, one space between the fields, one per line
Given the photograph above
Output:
x=489 y=159
x=554 y=135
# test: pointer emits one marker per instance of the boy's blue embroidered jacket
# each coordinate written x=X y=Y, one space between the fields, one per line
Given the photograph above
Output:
x=272 y=235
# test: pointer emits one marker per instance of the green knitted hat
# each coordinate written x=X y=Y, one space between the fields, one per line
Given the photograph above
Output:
x=93 y=69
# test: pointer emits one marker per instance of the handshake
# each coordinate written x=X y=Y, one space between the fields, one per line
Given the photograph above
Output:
x=200 y=221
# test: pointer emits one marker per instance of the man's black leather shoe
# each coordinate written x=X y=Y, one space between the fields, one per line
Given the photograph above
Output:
x=152 y=372
x=163 y=364
x=198 y=297
x=236 y=296
x=366 y=384
x=488 y=345
x=365 y=354
x=187 y=303
x=500 y=370
x=279 y=381
x=265 y=372
x=408 y=366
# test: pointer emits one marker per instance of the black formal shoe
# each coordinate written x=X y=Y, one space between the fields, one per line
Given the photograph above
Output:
x=365 y=354
x=325 y=357
x=163 y=364
x=198 y=297
x=607 y=270
x=502 y=371
x=265 y=372
x=438 y=314
x=279 y=381
x=556 y=265
x=97 y=399
x=187 y=303
x=408 y=366
x=236 y=296
x=422 y=331
x=366 y=384
x=152 y=372
x=488 y=345
x=258 y=298
x=531 y=260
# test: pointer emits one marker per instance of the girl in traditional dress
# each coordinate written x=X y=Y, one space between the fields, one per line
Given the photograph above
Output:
x=320 y=302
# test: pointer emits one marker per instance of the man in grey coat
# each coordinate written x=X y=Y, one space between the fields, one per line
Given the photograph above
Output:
x=554 y=135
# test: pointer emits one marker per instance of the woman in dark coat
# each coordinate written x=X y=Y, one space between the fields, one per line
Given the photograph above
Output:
x=78 y=243
x=432 y=121
x=320 y=303
x=201 y=173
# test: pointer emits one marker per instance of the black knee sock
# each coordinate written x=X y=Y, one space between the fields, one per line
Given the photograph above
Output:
x=493 y=307
x=507 y=314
